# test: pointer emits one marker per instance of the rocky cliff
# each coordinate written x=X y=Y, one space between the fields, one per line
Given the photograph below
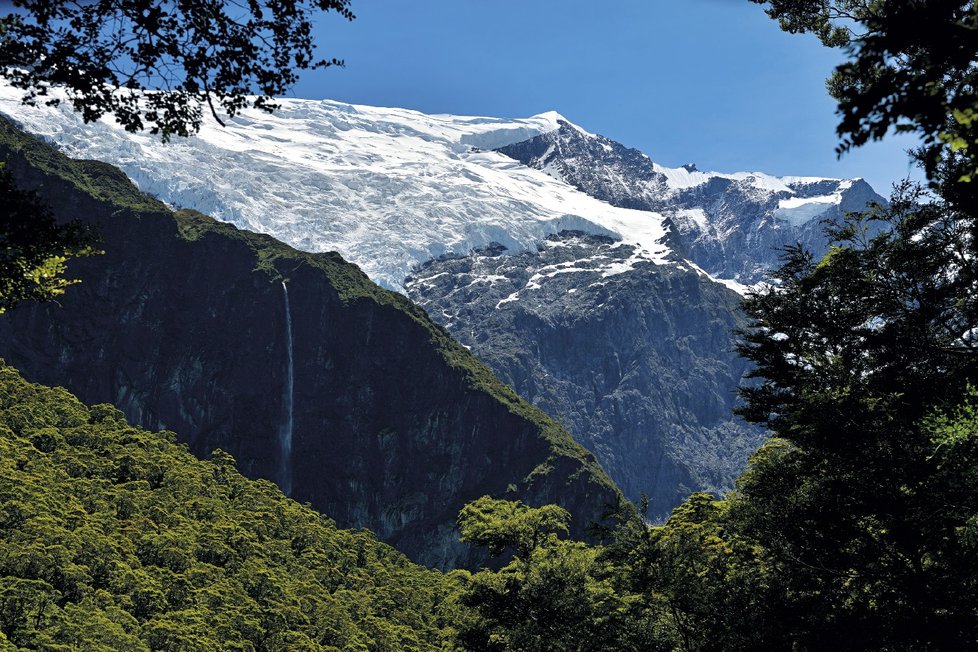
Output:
x=636 y=359
x=309 y=374
x=731 y=225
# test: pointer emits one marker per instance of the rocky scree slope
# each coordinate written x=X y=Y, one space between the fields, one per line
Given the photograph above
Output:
x=636 y=359
x=346 y=393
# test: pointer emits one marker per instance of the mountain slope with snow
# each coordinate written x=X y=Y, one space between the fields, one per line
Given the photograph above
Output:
x=386 y=188
x=571 y=264
x=731 y=225
x=637 y=360
x=392 y=188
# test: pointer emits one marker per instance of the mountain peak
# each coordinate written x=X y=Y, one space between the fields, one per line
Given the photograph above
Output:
x=559 y=120
x=553 y=117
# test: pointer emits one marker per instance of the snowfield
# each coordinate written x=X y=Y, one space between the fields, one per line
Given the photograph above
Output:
x=387 y=188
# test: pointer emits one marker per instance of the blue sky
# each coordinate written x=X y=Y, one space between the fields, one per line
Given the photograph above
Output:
x=712 y=82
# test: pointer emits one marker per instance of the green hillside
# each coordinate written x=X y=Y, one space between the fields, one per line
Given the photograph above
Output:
x=115 y=538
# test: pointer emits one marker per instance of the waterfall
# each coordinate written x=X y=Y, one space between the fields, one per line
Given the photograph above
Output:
x=285 y=432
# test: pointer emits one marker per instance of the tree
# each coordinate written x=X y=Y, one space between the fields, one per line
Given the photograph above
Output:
x=24 y=607
x=156 y=64
x=864 y=502
x=700 y=584
x=502 y=525
x=33 y=247
x=554 y=594
x=912 y=67
x=859 y=509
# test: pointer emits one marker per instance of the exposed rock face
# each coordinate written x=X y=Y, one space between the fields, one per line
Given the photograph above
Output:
x=182 y=323
x=635 y=359
x=733 y=226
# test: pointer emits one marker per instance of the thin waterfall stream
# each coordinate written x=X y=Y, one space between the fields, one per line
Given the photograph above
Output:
x=285 y=432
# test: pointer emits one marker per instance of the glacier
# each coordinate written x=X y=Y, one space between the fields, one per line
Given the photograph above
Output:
x=387 y=188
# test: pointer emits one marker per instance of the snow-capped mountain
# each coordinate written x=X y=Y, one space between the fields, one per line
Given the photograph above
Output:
x=571 y=264
x=386 y=188
x=731 y=225
x=391 y=188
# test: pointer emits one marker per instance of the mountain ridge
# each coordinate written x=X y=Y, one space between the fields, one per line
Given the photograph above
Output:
x=730 y=225
x=396 y=190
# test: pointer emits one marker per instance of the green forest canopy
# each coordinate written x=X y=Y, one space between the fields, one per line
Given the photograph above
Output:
x=112 y=537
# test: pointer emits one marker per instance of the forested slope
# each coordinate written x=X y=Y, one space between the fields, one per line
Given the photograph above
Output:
x=115 y=538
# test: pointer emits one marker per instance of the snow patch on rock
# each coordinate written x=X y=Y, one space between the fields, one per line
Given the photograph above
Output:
x=799 y=210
